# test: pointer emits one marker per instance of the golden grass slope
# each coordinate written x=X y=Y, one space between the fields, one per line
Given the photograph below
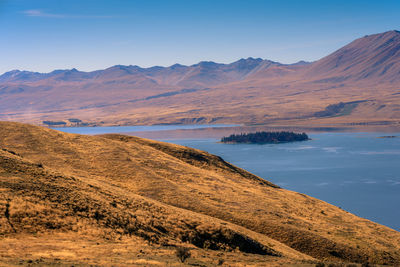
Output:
x=132 y=191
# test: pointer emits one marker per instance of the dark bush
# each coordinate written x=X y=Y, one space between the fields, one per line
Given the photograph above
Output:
x=183 y=253
x=74 y=120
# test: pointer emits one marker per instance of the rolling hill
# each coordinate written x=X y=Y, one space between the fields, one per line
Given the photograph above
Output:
x=123 y=200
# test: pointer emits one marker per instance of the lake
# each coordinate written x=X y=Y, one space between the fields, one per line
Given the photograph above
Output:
x=358 y=172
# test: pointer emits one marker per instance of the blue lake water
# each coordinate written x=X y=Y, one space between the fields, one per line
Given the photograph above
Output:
x=358 y=172
x=140 y=128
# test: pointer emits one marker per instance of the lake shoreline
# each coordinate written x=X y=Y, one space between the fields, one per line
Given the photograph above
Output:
x=188 y=131
x=343 y=169
x=218 y=133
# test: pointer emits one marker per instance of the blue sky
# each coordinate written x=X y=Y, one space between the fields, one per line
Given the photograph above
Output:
x=43 y=35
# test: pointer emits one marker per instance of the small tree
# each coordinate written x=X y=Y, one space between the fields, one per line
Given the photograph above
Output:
x=183 y=253
x=7 y=215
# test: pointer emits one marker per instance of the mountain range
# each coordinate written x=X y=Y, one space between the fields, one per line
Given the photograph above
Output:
x=360 y=79
x=205 y=73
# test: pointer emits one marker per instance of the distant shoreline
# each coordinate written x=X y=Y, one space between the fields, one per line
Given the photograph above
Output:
x=217 y=132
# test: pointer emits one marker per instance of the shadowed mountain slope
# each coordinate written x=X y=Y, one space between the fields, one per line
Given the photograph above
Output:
x=169 y=194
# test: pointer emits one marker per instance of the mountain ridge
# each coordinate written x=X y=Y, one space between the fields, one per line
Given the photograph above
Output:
x=247 y=91
x=370 y=56
x=392 y=35
x=174 y=66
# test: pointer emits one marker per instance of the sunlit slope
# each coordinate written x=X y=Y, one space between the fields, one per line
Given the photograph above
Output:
x=43 y=201
x=169 y=194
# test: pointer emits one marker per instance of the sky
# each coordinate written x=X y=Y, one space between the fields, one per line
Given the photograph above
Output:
x=43 y=35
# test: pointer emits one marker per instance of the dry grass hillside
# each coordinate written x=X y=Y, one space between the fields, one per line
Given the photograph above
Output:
x=121 y=200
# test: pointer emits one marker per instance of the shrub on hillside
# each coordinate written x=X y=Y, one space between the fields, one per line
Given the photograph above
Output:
x=183 y=253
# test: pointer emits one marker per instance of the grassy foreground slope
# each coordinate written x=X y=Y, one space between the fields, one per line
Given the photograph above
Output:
x=117 y=199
